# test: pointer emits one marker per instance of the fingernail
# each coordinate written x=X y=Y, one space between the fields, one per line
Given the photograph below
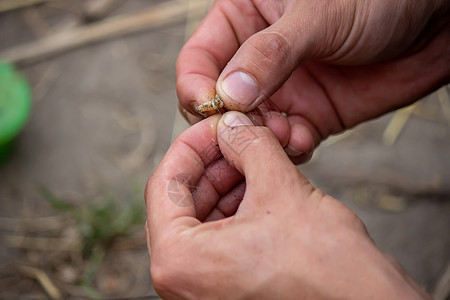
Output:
x=234 y=119
x=291 y=151
x=240 y=87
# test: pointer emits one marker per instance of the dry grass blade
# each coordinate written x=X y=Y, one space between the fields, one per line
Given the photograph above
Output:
x=396 y=124
x=35 y=21
x=98 y=9
x=336 y=138
x=153 y=17
x=43 y=280
x=444 y=101
x=8 y=5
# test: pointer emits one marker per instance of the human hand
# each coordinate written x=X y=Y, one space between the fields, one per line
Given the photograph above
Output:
x=328 y=64
x=271 y=234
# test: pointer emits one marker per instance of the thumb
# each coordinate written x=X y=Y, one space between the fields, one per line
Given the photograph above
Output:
x=262 y=65
x=256 y=153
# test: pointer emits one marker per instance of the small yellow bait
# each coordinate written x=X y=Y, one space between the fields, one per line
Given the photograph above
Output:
x=214 y=104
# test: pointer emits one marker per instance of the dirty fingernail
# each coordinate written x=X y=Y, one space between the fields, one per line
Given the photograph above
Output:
x=234 y=119
x=240 y=87
x=291 y=151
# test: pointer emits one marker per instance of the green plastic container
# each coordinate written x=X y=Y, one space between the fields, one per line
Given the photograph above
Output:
x=15 y=105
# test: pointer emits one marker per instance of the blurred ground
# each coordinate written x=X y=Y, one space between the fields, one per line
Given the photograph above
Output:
x=102 y=119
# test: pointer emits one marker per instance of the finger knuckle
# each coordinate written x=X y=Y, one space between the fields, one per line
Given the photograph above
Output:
x=163 y=279
x=357 y=222
x=167 y=273
x=332 y=207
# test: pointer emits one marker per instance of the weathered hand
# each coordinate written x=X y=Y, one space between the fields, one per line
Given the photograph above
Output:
x=328 y=64
x=271 y=234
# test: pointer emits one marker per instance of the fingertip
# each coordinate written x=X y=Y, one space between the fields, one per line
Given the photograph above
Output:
x=279 y=125
x=303 y=158
x=250 y=149
x=301 y=144
x=233 y=119
x=189 y=117
x=232 y=128
x=193 y=90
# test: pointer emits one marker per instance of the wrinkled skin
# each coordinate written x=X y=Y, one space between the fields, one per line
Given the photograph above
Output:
x=272 y=236
x=328 y=64
x=229 y=215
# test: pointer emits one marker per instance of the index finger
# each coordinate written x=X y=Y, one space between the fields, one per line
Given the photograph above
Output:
x=213 y=44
